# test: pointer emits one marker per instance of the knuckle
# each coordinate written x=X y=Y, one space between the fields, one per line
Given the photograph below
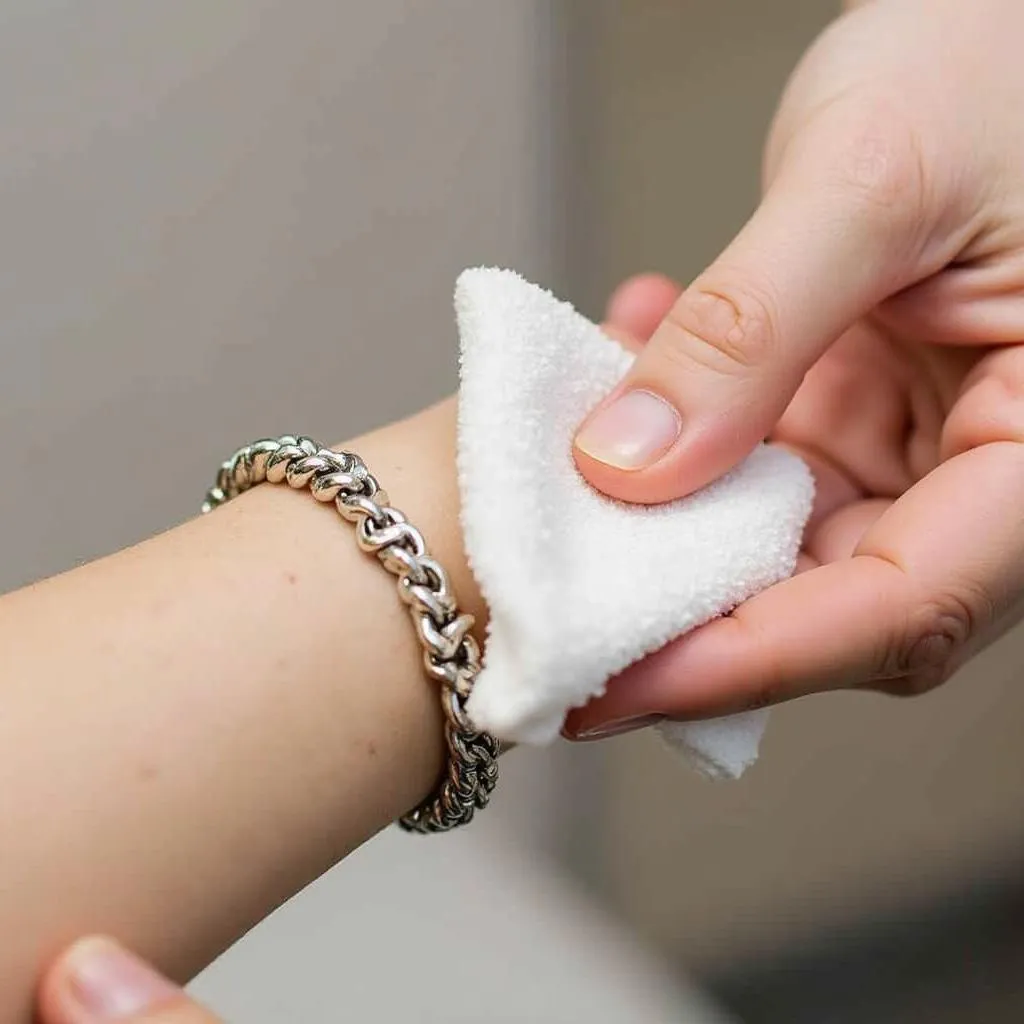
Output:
x=728 y=331
x=925 y=651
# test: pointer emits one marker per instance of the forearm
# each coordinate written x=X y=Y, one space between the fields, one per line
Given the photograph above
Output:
x=194 y=729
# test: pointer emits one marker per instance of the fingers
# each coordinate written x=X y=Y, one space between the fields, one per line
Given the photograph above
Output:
x=990 y=406
x=97 y=981
x=814 y=631
x=930 y=581
x=841 y=228
x=640 y=303
x=974 y=304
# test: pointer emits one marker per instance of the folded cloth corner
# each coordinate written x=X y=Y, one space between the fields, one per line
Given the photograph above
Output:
x=580 y=586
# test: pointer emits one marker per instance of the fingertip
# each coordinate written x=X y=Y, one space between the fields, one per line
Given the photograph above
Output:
x=691 y=677
x=632 y=486
x=97 y=979
x=648 y=452
x=640 y=303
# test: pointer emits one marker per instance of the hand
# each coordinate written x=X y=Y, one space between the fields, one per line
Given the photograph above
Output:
x=869 y=316
x=97 y=981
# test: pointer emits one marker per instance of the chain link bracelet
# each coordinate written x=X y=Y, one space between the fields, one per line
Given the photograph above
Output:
x=450 y=653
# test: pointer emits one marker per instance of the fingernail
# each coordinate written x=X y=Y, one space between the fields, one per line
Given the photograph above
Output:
x=617 y=727
x=635 y=430
x=106 y=982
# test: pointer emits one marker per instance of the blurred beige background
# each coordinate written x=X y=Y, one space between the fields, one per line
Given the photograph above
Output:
x=226 y=220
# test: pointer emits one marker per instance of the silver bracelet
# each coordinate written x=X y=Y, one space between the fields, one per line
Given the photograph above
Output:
x=450 y=653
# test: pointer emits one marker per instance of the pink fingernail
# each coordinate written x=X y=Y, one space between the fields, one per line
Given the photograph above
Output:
x=634 y=431
x=106 y=982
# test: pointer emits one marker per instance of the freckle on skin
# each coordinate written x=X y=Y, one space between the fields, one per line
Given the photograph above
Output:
x=291 y=578
x=147 y=771
x=371 y=748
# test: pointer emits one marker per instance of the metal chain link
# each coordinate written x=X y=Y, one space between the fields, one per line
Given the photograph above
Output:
x=450 y=653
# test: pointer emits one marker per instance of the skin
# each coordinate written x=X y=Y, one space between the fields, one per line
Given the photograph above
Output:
x=869 y=316
x=97 y=980
x=197 y=727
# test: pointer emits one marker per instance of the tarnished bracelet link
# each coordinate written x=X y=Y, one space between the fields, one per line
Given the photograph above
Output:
x=450 y=653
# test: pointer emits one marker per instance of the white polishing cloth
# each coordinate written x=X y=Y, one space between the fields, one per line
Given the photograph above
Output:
x=579 y=586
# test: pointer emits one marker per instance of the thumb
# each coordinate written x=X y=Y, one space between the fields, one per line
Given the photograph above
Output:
x=840 y=229
x=97 y=981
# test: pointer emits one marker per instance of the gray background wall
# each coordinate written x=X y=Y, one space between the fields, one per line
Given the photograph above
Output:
x=238 y=217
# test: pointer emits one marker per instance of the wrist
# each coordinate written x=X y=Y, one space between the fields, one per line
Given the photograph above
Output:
x=248 y=681
x=414 y=459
